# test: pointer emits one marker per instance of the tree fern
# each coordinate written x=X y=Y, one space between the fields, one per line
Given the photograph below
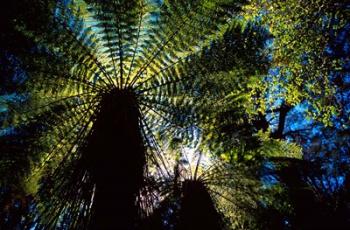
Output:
x=101 y=83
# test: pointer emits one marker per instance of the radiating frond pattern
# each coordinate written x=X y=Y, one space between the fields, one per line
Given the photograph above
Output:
x=102 y=66
x=206 y=194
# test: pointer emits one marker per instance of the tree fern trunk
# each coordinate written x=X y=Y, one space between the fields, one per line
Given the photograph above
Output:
x=115 y=157
x=197 y=208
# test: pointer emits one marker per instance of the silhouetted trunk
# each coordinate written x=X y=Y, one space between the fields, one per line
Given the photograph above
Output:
x=197 y=210
x=309 y=211
x=115 y=157
x=283 y=111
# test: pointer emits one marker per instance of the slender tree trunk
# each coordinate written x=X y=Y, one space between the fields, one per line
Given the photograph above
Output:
x=115 y=157
x=284 y=109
